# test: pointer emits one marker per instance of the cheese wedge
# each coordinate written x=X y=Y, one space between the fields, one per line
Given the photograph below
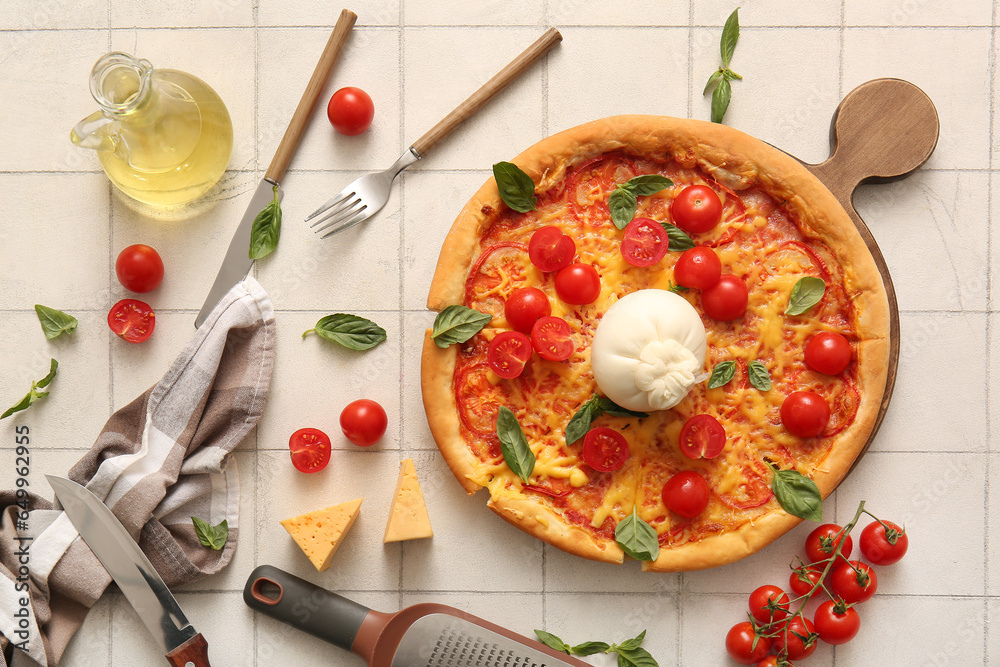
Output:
x=408 y=518
x=320 y=533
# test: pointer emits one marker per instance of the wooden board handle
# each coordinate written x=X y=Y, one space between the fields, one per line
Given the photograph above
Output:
x=303 y=112
x=194 y=651
x=501 y=80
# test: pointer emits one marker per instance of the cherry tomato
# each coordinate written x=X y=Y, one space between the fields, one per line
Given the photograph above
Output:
x=696 y=209
x=797 y=638
x=726 y=299
x=645 y=242
x=139 y=268
x=883 y=544
x=828 y=352
x=805 y=414
x=508 y=353
x=363 y=422
x=686 y=493
x=524 y=306
x=552 y=339
x=350 y=111
x=772 y=661
x=550 y=250
x=769 y=603
x=802 y=580
x=605 y=449
x=578 y=284
x=132 y=320
x=702 y=436
x=853 y=584
x=309 y=449
x=699 y=268
x=822 y=542
x=744 y=646
x=836 y=623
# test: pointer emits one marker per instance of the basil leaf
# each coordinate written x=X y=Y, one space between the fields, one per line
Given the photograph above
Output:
x=760 y=377
x=606 y=406
x=679 y=241
x=808 y=291
x=579 y=424
x=44 y=382
x=266 y=229
x=211 y=536
x=638 y=657
x=516 y=188
x=648 y=184
x=351 y=331
x=720 y=100
x=730 y=35
x=552 y=641
x=457 y=324
x=55 y=322
x=632 y=644
x=797 y=494
x=519 y=457
x=637 y=538
x=33 y=394
x=715 y=78
x=722 y=374
x=622 y=204
x=590 y=648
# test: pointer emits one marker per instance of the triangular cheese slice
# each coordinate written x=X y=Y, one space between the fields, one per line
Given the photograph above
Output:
x=408 y=518
x=320 y=533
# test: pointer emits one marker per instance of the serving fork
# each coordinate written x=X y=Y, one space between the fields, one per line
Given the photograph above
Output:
x=365 y=196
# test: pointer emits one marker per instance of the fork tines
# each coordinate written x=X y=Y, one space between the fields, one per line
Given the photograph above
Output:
x=342 y=212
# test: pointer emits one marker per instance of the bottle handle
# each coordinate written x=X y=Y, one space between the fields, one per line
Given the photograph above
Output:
x=92 y=132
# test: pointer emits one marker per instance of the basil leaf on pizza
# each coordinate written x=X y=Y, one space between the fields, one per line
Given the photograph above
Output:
x=595 y=406
x=679 y=240
x=637 y=538
x=516 y=188
x=514 y=446
x=552 y=641
x=760 y=377
x=609 y=407
x=648 y=184
x=806 y=293
x=723 y=372
x=797 y=494
x=457 y=324
x=624 y=200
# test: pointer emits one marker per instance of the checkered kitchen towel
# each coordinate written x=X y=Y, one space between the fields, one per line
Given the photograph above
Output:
x=159 y=461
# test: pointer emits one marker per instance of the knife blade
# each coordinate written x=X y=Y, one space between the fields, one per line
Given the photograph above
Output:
x=237 y=263
x=138 y=580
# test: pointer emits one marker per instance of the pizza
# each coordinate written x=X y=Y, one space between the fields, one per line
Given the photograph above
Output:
x=775 y=231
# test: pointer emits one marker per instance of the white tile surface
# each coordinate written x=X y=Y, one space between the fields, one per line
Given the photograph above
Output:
x=186 y=14
x=917 y=12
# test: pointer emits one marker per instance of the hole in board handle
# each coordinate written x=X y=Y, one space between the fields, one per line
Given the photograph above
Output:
x=267 y=591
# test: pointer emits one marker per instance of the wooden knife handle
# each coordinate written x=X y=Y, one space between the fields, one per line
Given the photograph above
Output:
x=303 y=112
x=193 y=652
x=501 y=80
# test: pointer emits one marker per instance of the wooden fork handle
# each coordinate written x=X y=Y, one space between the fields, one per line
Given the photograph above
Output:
x=303 y=112
x=478 y=99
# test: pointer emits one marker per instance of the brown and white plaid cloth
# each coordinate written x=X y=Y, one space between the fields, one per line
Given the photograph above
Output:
x=159 y=461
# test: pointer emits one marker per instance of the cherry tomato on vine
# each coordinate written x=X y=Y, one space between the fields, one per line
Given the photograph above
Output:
x=774 y=661
x=363 y=422
x=132 y=320
x=309 y=449
x=822 y=542
x=686 y=494
x=508 y=353
x=605 y=449
x=769 y=603
x=883 y=544
x=578 y=284
x=702 y=436
x=836 y=623
x=802 y=580
x=698 y=268
x=552 y=339
x=645 y=242
x=696 y=209
x=726 y=299
x=350 y=111
x=799 y=641
x=828 y=352
x=744 y=646
x=139 y=268
x=853 y=582
x=524 y=306
x=550 y=250
x=805 y=414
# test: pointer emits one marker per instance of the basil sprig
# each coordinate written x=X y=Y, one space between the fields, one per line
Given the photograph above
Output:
x=213 y=537
x=760 y=377
x=519 y=457
x=807 y=292
x=797 y=494
x=516 y=188
x=351 y=331
x=595 y=406
x=55 y=322
x=723 y=372
x=637 y=538
x=457 y=324
x=623 y=201
x=630 y=652
x=722 y=76
x=266 y=229
x=33 y=394
x=679 y=240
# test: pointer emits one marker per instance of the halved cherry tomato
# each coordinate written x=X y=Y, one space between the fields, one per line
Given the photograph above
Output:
x=508 y=353
x=350 y=111
x=790 y=638
x=132 y=320
x=699 y=268
x=828 y=352
x=578 y=284
x=309 y=449
x=836 y=623
x=363 y=422
x=702 y=436
x=727 y=299
x=524 y=306
x=882 y=547
x=645 y=242
x=696 y=209
x=802 y=580
x=686 y=493
x=605 y=449
x=552 y=339
x=769 y=603
x=823 y=541
x=853 y=581
x=550 y=250
x=139 y=268
x=805 y=414
x=744 y=646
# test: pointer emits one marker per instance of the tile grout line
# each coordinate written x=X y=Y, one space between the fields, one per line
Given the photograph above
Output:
x=840 y=60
